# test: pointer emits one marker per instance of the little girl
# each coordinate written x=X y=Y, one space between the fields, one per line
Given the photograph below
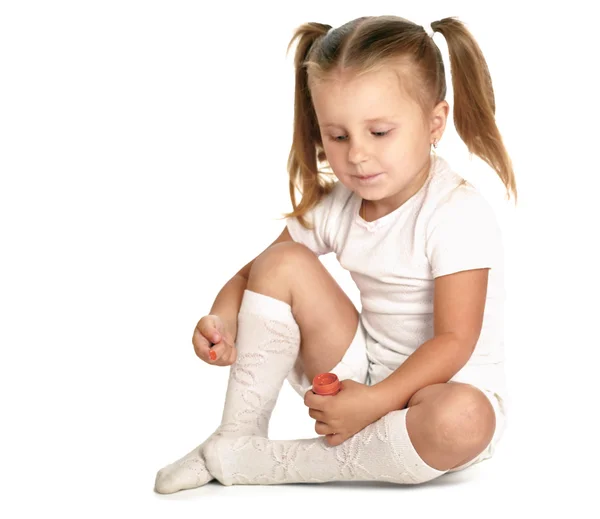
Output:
x=423 y=390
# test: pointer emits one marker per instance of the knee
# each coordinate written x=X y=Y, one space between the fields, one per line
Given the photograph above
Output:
x=465 y=420
x=282 y=259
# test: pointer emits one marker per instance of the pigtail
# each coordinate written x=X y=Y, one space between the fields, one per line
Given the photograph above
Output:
x=303 y=157
x=474 y=102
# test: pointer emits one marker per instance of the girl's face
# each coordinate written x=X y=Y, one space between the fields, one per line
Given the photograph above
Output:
x=370 y=127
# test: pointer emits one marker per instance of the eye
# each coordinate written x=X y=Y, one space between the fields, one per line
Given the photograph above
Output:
x=341 y=138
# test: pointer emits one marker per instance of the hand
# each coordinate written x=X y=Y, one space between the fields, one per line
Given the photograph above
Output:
x=341 y=416
x=211 y=329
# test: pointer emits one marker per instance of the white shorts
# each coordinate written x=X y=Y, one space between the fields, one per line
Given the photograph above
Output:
x=355 y=365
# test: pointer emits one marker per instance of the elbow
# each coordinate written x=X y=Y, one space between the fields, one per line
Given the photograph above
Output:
x=465 y=344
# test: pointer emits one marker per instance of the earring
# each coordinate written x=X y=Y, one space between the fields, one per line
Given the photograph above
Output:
x=435 y=141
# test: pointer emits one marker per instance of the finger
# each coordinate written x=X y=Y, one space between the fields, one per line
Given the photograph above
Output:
x=210 y=332
x=231 y=356
x=226 y=358
x=315 y=401
x=317 y=415
x=201 y=345
x=218 y=353
x=227 y=342
x=206 y=350
x=322 y=428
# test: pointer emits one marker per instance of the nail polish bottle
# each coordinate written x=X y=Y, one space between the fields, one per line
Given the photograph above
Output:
x=326 y=384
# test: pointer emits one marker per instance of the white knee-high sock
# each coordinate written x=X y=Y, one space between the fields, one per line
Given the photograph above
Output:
x=268 y=343
x=382 y=451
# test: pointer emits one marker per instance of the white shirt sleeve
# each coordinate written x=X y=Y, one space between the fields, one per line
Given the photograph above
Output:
x=322 y=215
x=463 y=234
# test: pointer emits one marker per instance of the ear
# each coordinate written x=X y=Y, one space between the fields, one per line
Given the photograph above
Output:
x=437 y=122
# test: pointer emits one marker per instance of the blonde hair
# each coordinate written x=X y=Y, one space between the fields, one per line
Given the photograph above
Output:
x=367 y=44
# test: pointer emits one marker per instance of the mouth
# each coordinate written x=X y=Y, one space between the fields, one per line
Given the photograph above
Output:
x=366 y=177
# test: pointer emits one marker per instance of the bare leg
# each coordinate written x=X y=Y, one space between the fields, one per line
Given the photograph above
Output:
x=327 y=318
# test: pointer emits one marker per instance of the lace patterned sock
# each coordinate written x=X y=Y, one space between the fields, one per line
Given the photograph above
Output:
x=382 y=451
x=268 y=343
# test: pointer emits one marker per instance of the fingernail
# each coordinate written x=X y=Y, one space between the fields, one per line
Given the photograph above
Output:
x=212 y=355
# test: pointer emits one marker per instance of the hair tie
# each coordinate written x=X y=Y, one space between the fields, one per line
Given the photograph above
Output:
x=429 y=31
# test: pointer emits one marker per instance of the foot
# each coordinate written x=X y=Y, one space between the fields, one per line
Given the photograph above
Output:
x=187 y=472
x=190 y=471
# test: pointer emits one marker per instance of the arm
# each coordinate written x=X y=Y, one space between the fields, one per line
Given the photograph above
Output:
x=459 y=302
x=229 y=299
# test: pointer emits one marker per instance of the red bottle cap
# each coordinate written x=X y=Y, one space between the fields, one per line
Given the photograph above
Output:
x=326 y=384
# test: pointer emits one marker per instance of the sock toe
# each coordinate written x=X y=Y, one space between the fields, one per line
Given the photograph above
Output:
x=164 y=483
x=183 y=477
x=187 y=472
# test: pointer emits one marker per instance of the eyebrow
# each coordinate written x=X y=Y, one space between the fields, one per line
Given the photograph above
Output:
x=389 y=118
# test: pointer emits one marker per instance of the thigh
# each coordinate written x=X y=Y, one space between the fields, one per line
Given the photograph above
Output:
x=327 y=318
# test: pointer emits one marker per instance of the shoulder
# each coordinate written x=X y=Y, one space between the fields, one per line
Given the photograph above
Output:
x=462 y=231
x=464 y=198
x=452 y=197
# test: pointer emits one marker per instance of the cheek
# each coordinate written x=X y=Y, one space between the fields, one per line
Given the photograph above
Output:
x=334 y=154
x=399 y=148
x=389 y=154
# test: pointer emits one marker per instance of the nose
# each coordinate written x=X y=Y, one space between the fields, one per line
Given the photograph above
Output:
x=357 y=153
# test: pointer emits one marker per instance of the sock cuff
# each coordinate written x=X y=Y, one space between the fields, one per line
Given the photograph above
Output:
x=266 y=306
x=404 y=449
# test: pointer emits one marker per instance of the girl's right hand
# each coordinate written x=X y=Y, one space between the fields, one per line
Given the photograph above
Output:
x=211 y=329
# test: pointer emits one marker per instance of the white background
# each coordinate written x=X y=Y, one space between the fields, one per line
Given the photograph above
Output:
x=143 y=150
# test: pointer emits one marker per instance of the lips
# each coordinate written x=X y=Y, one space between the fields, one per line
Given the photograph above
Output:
x=368 y=176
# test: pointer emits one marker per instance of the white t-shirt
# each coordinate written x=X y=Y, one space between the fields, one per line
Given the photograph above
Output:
x=444 y=228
